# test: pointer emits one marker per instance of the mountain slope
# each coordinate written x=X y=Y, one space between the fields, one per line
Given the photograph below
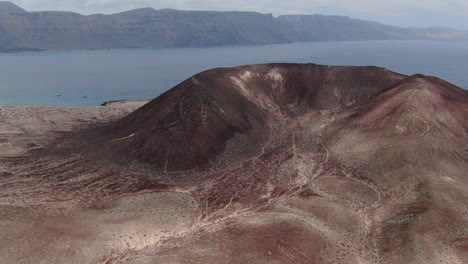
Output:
x=412 y=141
x=337 y=28
x=147 y=27
x=275 y=163
x=190 y=124
x=310 y=164
x=9 y=7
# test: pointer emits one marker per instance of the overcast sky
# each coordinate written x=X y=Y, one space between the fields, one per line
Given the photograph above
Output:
x=421 y=13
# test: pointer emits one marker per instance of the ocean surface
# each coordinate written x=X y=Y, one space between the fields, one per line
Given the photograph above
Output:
x=88 y=78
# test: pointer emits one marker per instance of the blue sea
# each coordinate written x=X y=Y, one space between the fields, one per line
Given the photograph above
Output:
x=88 y=78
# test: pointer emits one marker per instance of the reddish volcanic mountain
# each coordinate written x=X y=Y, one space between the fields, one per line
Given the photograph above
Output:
x=275 y=163
x=191 y=124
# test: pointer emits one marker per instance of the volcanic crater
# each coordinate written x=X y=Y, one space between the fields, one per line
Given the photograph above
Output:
x=272 y=163
x=190 y=125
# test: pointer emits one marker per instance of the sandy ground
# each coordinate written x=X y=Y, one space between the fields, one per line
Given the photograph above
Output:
x=25 y=127
x=41 y=229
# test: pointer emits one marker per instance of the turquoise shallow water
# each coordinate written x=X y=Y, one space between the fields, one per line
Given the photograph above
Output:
x=36 y=78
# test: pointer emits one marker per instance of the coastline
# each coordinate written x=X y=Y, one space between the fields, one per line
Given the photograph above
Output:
x=38 y=50
x=124 y=102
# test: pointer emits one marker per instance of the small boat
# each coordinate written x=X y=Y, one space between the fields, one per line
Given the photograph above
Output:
x=85 y=97
x=58 y=95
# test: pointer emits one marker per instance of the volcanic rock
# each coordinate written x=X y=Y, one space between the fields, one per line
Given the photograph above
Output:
x=190 y=125
x=274 y=163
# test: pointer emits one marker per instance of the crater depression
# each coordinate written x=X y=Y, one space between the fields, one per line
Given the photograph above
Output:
x=274 y=163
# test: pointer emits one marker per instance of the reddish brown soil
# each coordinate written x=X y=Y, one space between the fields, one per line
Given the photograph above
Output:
x=286 y=163
x=189 y=125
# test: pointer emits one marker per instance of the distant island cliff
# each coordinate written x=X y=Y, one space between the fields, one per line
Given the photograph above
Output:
x=141 y=28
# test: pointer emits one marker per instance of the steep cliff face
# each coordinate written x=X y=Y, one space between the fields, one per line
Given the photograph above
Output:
x=9 y=7
x=337 y=28
x=142 y=28
x=146 y=27
x=319 y=27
